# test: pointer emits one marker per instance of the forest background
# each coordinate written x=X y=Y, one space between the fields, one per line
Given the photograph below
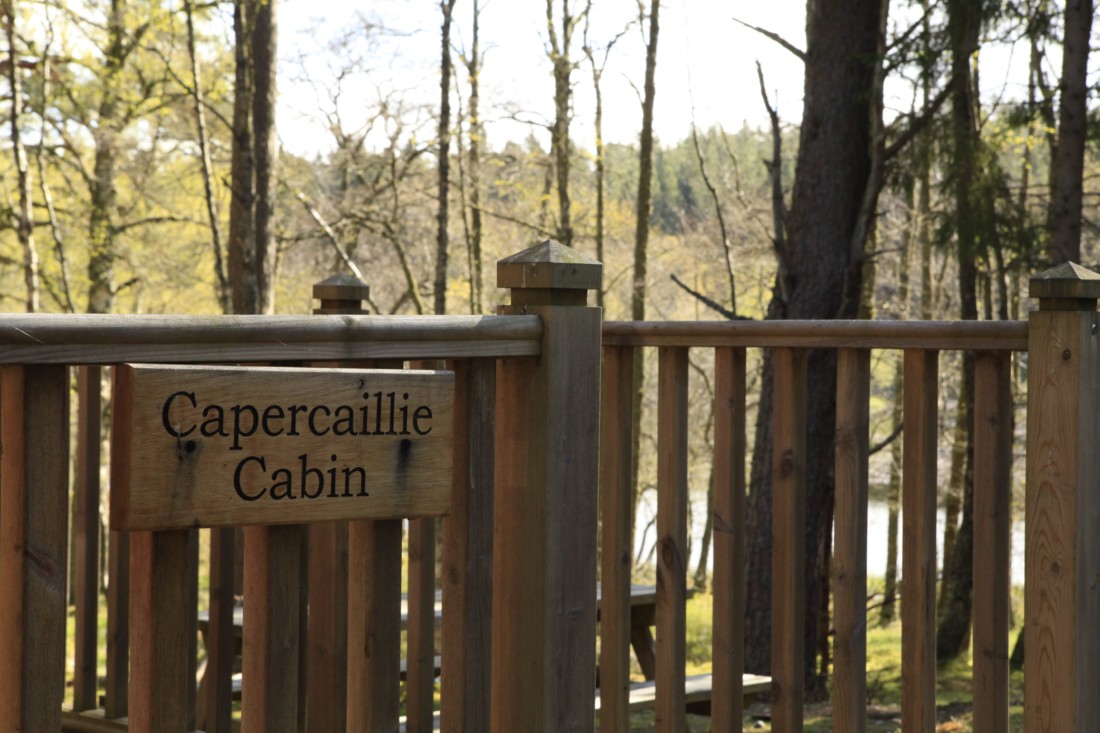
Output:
x=928 y=157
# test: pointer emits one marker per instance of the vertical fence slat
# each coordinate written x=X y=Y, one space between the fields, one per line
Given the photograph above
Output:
x=918 y=591
x=221 y=652
x=728 y=644
x=117 y=701
x=789 y=537
x=272 y=565
x=672 y=487
x=326 y=656
x=1062 y=604
x=86 y=490
x=160 y=689
x=374 y=624
x=468 y=554
x=992 y=539
x=420 y=659
x=850 y=552
x=616 y=420
x=34 y=499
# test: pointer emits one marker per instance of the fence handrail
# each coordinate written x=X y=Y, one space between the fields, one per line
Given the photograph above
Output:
x=862 y=334
x=46 y=338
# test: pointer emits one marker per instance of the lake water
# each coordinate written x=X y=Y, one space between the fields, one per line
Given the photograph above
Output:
x=878 y=515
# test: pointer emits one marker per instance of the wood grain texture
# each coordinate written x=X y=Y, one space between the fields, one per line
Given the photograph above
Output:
x=374 y=625
x=850 y=549
x=272 y=570
x=859 y=334
x=86 y=497
x=160 y=690
x=105 y=339
x=728 y=645
x=672 y=552
x=1061 y=605
x=34 y=433
x=616 y=551
x=468 y=554
x=117 y=695
x=789 y=537
x=291 y=445
x=992 y=539
x=918 y=591
x=220 y=640
x=420 y=637
x=545 y=512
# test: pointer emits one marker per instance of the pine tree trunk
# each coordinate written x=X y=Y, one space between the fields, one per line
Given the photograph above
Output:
x=241 y=262
x=439 y=302
x=266 y=146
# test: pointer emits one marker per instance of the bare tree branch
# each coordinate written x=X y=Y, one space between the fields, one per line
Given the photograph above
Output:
x=777 y=38
x=708 y=301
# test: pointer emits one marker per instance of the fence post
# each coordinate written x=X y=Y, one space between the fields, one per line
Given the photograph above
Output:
x=547 y=475
x=1062 y=591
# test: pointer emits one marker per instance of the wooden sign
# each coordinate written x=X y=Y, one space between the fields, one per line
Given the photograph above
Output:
x=217 y=446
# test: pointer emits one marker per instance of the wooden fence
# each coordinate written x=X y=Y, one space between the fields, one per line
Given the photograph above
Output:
x=519 y=610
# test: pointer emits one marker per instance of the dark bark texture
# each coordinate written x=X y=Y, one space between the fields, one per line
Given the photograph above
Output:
x=824 y=280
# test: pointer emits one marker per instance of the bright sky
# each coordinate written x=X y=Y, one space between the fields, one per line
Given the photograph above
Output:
x=706 y=62
x=704 y=57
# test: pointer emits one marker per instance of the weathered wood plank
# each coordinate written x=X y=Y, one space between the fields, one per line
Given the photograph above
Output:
x=616 y=505
x=853 y=387
x=374 y=622
x=789 y=537
x=105 y=339
x=672 y=489
x=160 y=686
x=728 y=644
x=117 y=696
x=86 y=497
x=216 y=706
x=272 y=562
x=468 y=553
x=34 y=500
x=545 y=521
x=918 y=592
x=1063 y=536
x=860 y=334
x=420 y=638
x=992 y=539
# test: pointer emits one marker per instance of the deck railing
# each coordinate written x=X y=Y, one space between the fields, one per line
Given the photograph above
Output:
x=519 y=546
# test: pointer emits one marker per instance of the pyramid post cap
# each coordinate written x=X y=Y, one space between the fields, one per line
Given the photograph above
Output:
x=341 y=287
x=551 y=265
x=1068 y=280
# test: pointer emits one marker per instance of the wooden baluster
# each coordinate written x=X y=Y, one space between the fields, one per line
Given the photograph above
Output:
x=374 y=623
x=420 y=629
x=326 y=657
x=789 y=537
x=918 y=592
x=468 y=553
x=1062 y=604
x=545 y=511
x=728 y=644
x=272 y=568
x=161 y=691
x=117 y=700
x=992 y=538
x=672 y=486
x=616 y=508
x=34 y=502
x=86 y=491
x=853 y=386
x=220 y=638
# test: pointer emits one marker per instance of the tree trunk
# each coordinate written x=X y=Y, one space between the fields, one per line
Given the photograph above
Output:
x=641 y=232
x=24 y=216
x=221 y=284
x=242 y=264
x=439 y=301
x=832 y=175
x=563 y=93
x=266 y=146
x=473 y=68
x=1067 y=167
